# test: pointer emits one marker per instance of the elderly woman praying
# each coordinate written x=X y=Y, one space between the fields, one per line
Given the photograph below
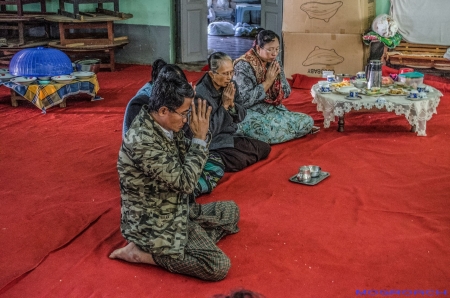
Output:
x=236 y=150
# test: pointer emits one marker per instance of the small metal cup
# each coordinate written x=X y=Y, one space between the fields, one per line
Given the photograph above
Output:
x=315 y=171
x=304 y=174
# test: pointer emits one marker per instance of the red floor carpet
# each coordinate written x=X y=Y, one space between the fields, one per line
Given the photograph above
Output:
x=379 y=224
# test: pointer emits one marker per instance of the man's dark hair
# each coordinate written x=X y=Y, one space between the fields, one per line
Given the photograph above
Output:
x=157 y=65
x=243 y=293
x=170 y=89
x=170 y=69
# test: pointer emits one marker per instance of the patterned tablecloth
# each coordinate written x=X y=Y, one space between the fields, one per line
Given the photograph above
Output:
x=417 y=112
x=46 y=96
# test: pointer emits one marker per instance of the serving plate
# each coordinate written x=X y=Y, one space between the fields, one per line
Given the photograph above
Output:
x=4 y=70
x=374 y=93
x=64 y=79
x=346 y=90
x=342 y=84
x=6 y=76
x=24 y=80
x=82 y=74
x=401 y=92
x=313 y=181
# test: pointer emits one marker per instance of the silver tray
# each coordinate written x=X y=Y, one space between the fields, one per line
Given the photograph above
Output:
x=313 y=181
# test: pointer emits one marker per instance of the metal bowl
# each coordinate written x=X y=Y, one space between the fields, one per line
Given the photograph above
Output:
x=92 y=65
x=315 y=171
x=343 y=77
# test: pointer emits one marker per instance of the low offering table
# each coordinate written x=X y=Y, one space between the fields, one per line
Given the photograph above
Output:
x=417 y=111
x=46 y=96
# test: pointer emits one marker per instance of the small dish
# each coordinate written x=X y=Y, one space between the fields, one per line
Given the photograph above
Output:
x=375 y=93
x=82 y=74
x=327 y=92
x=24 y=80
x=353 y=98
x=342 y=84
x=396 y=92
x=345 y=90
x=6 y=76
x=64 y=79
x=4 y=70
x=44 y=78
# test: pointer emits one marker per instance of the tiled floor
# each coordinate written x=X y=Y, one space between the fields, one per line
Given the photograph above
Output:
x=233 y=46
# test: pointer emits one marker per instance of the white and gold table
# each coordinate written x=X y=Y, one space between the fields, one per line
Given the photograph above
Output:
x=417 y=112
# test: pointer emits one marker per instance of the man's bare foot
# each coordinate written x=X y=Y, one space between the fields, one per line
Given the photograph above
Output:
x=133 y=254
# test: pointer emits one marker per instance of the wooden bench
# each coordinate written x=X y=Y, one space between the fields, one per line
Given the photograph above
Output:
x=76 y=6
x=19 y=25
x=20 y=4
x=419 y=56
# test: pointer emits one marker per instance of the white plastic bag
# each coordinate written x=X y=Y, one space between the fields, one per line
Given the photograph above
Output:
x=220 y=28
x=385 y=25
x=222 y=3
x=211 y=15
x=447 y=54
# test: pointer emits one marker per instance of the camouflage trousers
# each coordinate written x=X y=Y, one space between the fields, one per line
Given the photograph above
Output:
x=207 y=224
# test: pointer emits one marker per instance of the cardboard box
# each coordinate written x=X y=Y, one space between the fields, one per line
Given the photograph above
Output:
x=312 y=53
x=328 y=16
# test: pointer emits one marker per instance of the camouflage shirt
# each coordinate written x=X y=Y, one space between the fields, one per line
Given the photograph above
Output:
x=157 y=176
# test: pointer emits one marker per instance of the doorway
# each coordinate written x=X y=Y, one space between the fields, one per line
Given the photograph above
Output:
x=232 y=25
x=194 y=44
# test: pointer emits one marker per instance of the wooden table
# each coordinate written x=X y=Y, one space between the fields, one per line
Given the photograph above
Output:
x=85 y=43
x=46 y=96
x=19 y=24
x=20 y=4
x=93 y=51
x=76 y=6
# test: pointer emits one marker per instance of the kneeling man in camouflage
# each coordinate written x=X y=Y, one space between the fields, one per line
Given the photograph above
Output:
x=158 y=170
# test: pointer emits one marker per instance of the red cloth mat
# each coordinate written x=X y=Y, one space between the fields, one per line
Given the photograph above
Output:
x=379 y=222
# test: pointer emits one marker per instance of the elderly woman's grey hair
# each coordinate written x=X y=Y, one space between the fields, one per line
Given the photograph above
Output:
x=216 y=59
